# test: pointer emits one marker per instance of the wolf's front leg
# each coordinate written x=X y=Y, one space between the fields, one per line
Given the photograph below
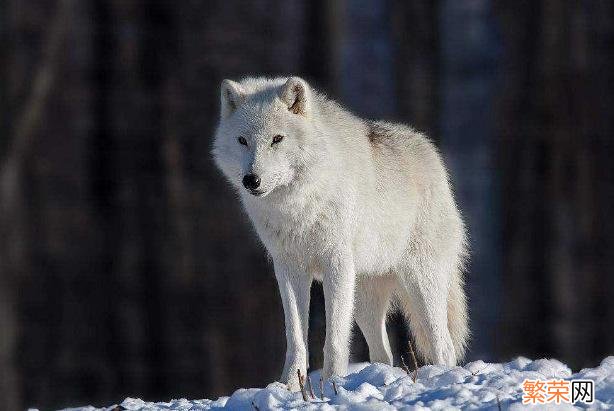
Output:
x=338 y=284
x=294 y=287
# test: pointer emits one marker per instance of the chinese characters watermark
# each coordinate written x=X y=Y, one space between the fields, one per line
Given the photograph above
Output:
x=558 y=391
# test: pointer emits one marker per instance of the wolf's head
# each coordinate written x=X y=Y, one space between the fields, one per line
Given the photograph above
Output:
x=261 y=141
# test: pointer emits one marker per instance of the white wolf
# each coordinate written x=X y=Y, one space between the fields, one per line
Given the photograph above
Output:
x=365 y=207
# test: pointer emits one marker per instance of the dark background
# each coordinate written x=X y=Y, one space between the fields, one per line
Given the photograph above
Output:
x=127 y=267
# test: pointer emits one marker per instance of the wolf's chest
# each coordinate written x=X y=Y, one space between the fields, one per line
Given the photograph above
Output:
x=303 y=235
x=293 y=232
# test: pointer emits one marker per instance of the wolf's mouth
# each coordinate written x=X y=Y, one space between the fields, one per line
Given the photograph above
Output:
x=257 y=193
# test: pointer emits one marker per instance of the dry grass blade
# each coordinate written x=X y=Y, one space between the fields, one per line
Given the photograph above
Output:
x=301 y=383
x=413 y=356
x=405 y=367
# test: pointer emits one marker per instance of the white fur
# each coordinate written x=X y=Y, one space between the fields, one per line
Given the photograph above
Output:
x=365 y=207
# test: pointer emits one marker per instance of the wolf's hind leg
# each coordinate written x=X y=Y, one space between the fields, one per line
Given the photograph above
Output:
x=372 y=302
x=424 y=299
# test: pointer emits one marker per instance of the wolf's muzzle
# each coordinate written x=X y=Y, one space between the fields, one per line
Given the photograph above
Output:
x=251 y=181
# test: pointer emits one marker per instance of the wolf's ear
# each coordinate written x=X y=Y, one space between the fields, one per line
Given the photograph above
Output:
x=231 y=96
x=295 y=93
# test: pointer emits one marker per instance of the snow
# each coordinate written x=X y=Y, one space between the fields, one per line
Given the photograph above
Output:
x=381 y=387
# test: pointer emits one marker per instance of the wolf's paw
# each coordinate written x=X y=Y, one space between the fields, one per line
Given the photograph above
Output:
x=333 y=369
x=445 y=354
x=327 y=374
x=293 y=384
x=291 y=379
x=290 y=375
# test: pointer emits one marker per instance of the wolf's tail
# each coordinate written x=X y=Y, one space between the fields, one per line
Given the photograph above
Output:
x=457 y=316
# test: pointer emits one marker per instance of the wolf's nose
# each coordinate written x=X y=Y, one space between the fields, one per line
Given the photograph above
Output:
x=251 y=181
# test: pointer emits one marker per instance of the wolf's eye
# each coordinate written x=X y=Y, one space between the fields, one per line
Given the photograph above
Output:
x=277 y=139
x=243 y=141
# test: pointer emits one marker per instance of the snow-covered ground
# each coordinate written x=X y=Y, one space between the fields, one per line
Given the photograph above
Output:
x=381 y=387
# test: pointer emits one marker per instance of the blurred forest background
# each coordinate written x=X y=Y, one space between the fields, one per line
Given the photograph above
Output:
x=127 y=267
